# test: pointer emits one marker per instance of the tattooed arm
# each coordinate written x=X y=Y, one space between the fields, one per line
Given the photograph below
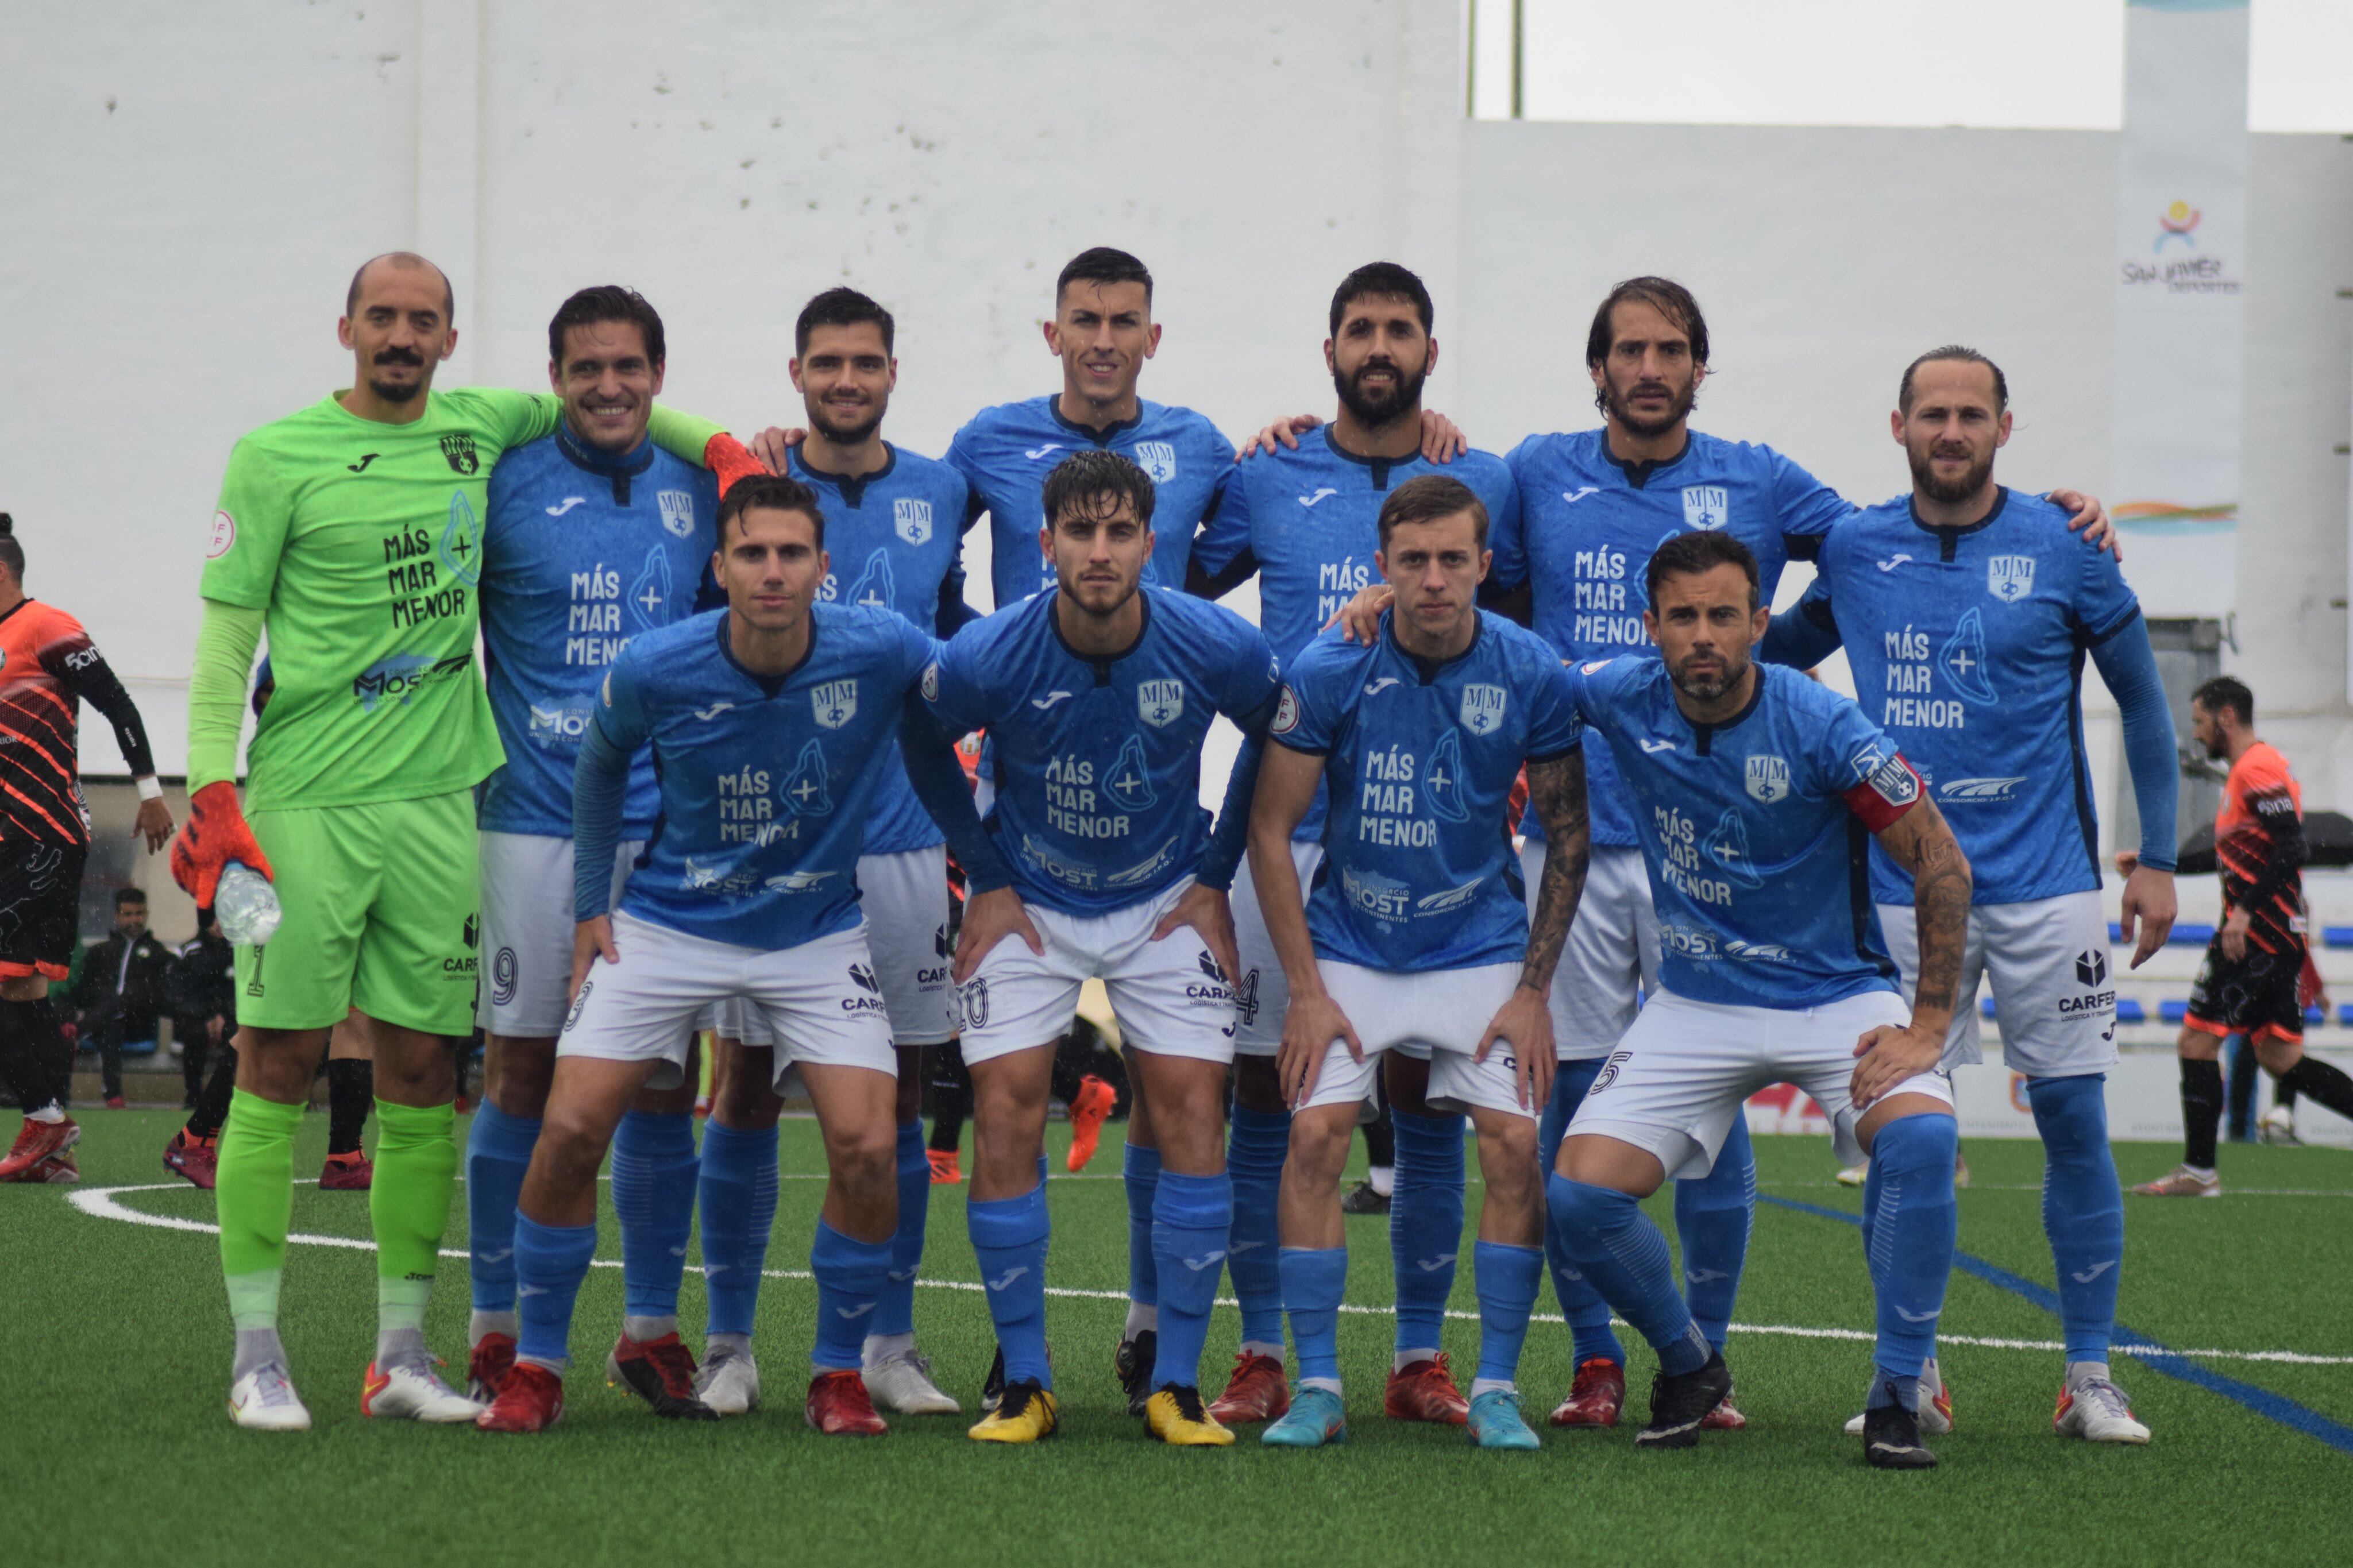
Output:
x=1920 y=842
x=1556 y=789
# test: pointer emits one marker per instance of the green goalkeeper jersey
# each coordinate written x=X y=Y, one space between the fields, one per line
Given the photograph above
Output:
x=361 y=542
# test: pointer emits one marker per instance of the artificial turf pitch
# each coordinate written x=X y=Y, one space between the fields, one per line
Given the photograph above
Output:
x=115 y=1448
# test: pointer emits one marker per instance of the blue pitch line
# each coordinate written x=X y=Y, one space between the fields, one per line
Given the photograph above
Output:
x=2152 y=1353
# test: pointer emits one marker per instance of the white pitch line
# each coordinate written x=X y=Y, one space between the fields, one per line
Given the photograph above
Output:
x=2037 y=1186
x=99 y=1203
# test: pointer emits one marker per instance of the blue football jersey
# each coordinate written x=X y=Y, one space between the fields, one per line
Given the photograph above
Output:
x=1097 y=763
x=1005 y=454
x=766 y=782
x=1418 y=872
x=1308 y=522
x=1588 y=523
x=583 y=551
x=892 y=537
x=1753 y=831
x=1968 y=645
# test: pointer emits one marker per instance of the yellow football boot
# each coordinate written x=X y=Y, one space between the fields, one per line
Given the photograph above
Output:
x=1026 y=1414
x=1176 y=1417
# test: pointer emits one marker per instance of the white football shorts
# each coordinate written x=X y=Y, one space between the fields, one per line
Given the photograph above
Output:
x=1437 y=1013
x=905 y=900
x=2047 y=961
x=527 y=929
x=1612 y=948
x=1264 y=994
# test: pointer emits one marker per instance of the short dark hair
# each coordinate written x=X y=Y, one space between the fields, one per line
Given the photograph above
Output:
x=843 y=308
x=12 y=554
x=1694 y=551
x=400 y=258
x=1428 y=498
x=2227 y=691
x=769 y=493
x=1964 y=355
x=1664 y=295
x=1099 y=264
x=129 y=896
x=606 y=302
x=1384 y=279
x=1085 y=478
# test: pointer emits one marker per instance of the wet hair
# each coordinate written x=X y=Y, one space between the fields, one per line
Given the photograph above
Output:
x=401 y=258
x=1381 y=280
x=1960 y=354
x=1100 y=265
x=769 y=493
x=1084 y=480
x=12 y=554
x=843 y=308
x=1428 y=498
x=1696 y=551
x=606 y=302
x=1664 y=295
x=2227 y=691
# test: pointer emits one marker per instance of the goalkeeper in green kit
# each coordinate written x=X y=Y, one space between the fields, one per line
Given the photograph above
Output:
x=352 y=532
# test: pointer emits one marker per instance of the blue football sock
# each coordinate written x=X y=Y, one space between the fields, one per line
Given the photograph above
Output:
x=1425 y=1223
x=1312 y=1280
x=497 y=1152
x=1140 y=1170
x=549 y=1262
x=739 y=1210
x=1911 y=1247
x=1580 y=1304
x=896 y=1314
x=1255 y=1148
x=2083 y=1208
x=1615 y=1246
x=654 y=1174
x=1009 y=1236
x=849 y=1278
x=1192 y=1222
x=1507 y=1278
x=1711 y=1219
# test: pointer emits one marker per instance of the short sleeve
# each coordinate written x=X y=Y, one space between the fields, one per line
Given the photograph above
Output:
x=2101 y=603
x=249 y=530
x=1858 y=762
x=1303 y=719
x=1253 y=675
x=1507 y=537
x=510 y=418
x=960 y=457
x=1227 y=534
x=620 y=704
x=1555 y=728
x=1806 y=507
x=952 y=687
x=917 y=651
x=1218 y=452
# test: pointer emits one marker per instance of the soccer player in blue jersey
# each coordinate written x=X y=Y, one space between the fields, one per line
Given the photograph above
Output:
x=1417 y=930
x=1096 y=697
x=1306 y=521
x=1967 y=611
x=891 y=520
x=771 y=724
x=595 y=536
x=1752 y=788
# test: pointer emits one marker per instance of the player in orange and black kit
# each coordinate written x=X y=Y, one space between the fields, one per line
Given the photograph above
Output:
x=2247 y=984
x=47 y=666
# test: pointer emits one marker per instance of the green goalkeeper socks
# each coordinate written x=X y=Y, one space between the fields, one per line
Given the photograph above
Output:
x=255 y=1192
x=408 y=1205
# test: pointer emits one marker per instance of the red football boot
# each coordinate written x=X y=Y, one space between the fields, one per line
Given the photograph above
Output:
x=1089 y=1107
x=351 y=1172
x=1256 y=1392
x=839 y=1406
x=945 y=1170
x=1425 y=1391
x=659 y=1372
x=531 y=1399
x=486 y=1369
x=1725 y=1417
x=1597 y=1395
x=197 y=1159
x=36 y=1142
x=58 y=1167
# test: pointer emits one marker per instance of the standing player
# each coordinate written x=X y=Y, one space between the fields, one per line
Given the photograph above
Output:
x=2248 y=983
x=595 y=536
x=1096 y=697
x=1966 y=610
x=49 y=667
x=1305 y=520
x=770 y=723
x=1753 y=787
x=893 y=516
x=352 y=530
x=1418 y=930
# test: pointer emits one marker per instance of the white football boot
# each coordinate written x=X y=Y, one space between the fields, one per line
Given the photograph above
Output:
x=413 y=1391
x=264 y=1400
x=901 y=1380
x=729 y=1381
x=2095 y=1411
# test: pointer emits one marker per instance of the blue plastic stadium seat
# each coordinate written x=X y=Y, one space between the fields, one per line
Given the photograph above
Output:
x=2173 y=1012
x=2315 y=1015
x=2116 y=931
x=1985 y=1007
x=2129 y=1011
x=2345 y=1014
x=2190 y=936
x=2337 y=936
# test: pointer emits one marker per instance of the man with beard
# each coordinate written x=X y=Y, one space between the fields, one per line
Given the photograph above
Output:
x=1306 y=520
x=1966 y=610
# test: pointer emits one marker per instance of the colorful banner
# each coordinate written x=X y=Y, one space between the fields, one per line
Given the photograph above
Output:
x=2181 y=224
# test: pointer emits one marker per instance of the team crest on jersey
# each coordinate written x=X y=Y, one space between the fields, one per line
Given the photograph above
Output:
x=1157 y=458
x=1160 y=703
x=677 y=511
x=1706 y=506
x=835 y=703
x=2009 y=578
x=458 y=447
x=1482 y=710
x=1894 y=782
x=1768 y=779
x=912 y=520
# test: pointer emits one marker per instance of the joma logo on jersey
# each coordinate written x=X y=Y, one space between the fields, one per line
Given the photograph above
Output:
x=1160 y=703
x=677 y=511
x=1706 y=506
x=835 y=703
x=1157 y=458
x=1768 y=779
x=2009 y=578
x=912 y=520
x=1482 y=710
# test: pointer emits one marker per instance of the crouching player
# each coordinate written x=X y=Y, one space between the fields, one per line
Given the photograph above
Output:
x=1417 y=930
x=1096 y=697
x=1752 y=788
x=770 y=723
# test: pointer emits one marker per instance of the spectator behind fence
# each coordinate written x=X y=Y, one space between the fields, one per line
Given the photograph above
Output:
x=118 y=989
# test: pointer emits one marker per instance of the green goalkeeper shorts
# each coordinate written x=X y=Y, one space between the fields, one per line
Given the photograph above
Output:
x=382 y=907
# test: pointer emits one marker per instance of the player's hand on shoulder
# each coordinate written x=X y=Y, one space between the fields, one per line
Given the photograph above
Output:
x=1282 y=432
x=1523 y=1022
x=988 y=919
x=1441 y=441
x=2090 y=518
x=1359 y=619
x=1211 y=913
x=1310 y=1025
x=1891 y=1054
x=592 y=940
x=774 y=446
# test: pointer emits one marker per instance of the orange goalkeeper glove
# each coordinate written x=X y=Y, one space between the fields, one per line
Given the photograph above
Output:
x=216 y=833
x=729 y=460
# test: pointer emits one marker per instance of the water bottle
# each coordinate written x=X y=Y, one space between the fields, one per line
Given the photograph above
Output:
x=246 y=905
